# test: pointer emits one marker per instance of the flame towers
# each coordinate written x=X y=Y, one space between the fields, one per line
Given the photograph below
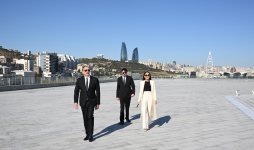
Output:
x=135 y=55
x=124 y=56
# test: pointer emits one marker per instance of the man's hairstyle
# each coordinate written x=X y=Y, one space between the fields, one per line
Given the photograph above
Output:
x=124 y=69
x=85 y=66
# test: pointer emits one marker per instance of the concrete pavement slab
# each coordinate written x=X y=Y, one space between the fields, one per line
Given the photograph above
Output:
x=192 y=114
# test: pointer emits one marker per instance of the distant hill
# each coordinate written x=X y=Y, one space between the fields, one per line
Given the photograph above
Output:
x=111 y=65
x=10 y=53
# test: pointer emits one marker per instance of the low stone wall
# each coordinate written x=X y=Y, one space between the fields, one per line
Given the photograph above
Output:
x=32 y=86
x=35 y=86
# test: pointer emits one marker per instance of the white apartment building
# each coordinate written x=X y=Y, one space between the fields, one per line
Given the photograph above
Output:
x=28 y=64
x=48 y=62
x=69 y=62
x=4 y=70
x=4 y=59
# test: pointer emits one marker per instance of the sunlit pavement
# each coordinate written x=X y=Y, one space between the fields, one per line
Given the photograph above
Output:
x=192 y=114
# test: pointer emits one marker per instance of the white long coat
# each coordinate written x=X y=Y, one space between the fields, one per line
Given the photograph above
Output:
x=152 y=110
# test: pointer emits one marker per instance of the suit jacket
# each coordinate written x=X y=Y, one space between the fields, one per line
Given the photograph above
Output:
x=141 y=91
x=90 y=97
x=152 y=109
x=125 y=91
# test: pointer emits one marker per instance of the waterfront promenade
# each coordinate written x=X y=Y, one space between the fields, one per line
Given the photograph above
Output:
x=193 y=114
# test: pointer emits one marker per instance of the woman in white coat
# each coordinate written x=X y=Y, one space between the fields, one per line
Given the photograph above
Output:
x=147 y=100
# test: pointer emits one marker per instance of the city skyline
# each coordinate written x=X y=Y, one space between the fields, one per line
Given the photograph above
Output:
x=163 y=30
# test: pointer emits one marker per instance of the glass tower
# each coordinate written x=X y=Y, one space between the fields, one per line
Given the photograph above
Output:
x=123 y=52
x=135 y=55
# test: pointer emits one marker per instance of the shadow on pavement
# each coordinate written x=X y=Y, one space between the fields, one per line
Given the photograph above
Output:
x=114 y=127
x=160 y=121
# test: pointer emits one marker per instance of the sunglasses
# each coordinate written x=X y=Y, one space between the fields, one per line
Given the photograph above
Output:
x=123 y=72
x=147 y=75
x=86 y=70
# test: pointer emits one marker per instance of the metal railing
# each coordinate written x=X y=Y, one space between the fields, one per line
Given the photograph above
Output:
x=20 y=80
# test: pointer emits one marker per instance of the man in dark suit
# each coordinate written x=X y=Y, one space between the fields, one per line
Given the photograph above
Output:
x=87 y=90
x=125 y=90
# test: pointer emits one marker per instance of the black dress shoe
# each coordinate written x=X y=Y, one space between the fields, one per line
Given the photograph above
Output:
x=91 y=139
x=86 y=138
x=128 y=120
x=121 y=123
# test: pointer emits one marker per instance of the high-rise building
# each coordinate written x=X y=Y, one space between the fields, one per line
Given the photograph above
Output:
x=174 y=63
x=48 y=62
x=124 y=56
x=135 y=55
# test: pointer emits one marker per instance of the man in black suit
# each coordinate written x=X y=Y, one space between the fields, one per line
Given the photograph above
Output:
x=87 y=90
x=125 y=90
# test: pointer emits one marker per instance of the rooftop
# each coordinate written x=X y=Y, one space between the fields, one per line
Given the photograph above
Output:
x=192 y=114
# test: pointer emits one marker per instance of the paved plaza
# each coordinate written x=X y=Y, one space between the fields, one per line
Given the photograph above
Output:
x=193 y=114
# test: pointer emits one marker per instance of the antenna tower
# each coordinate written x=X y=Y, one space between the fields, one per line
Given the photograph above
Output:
x=209 y=64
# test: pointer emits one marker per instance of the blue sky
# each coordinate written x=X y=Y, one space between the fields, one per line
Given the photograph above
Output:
x=163 y=30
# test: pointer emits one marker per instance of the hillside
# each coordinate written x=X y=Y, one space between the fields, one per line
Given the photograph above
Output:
x=10 y=53
x=111 y=65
